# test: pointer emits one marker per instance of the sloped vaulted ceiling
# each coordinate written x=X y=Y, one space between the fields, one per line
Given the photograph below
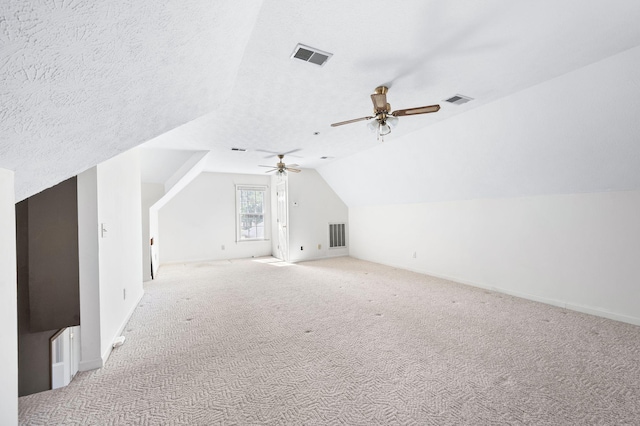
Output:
x=82 y=81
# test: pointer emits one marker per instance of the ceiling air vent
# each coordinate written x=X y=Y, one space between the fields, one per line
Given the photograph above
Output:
x=311 y=54
x=458 y=99
x=239 y=149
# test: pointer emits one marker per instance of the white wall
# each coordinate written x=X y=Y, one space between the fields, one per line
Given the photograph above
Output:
x=198 y=221
x=8 y=302
x=312 y=206
x=151 y=192
x=179 y=180
x=120 y=257
x=578 y=251
x=535 y=194
x=89 y=270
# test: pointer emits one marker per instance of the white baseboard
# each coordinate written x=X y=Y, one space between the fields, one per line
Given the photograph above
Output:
x=323 y=256
x=554 y=302
x=91 y=364
x=107 y=352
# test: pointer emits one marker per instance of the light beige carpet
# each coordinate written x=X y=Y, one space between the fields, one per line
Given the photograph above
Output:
x=343 y=341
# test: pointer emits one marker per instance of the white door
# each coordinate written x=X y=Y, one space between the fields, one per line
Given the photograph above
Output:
x=65 y=356
x=60 y=359
x=282 y=252
x=74 y=336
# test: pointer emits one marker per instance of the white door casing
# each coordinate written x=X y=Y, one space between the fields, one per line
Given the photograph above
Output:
x=282 y=252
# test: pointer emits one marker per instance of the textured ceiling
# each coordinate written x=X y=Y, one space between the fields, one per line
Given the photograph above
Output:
x=83 y=81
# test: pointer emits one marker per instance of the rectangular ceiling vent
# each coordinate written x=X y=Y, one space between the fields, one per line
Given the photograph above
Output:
x=311 y=54
x=239 y=149
x=458 y=99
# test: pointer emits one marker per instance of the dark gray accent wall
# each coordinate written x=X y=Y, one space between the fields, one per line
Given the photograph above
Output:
x=48 y=285
x=54 y=291
x=34 y=368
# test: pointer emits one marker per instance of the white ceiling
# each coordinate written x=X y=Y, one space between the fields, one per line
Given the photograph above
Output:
x=159 y=165
x=83 y=81
x=577 y=133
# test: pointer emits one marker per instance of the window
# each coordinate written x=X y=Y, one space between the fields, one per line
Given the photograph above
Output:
x=251 y=206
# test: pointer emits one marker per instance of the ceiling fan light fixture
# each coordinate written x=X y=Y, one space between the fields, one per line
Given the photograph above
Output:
x=384 y=128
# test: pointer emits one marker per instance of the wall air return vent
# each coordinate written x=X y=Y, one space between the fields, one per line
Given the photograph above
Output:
x=311 y=54
x=458 y=99
x=337 y=235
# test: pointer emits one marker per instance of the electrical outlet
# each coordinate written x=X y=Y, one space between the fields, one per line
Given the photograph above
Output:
x=124 y=294
x=301 y=248
x=223 y=247
x=415 y=254
x=319 y=246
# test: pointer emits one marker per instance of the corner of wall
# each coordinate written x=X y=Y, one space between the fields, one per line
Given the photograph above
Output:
x=120 y=254
x=313 y=205
x=8 y=302
x=89 y=270
x=106 y=352
x=91 y=364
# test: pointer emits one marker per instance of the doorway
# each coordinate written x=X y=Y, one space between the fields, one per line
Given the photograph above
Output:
x=282 y=251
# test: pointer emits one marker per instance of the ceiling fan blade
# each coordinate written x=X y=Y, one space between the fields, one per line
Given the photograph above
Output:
x=379 y=102
x=271 y=167
x=351 y=121
x=272 y=170
x=275 y=154
x=416 y=111
x=291 y=152
x=289 y=169
x=293 y=165
x=272 y=154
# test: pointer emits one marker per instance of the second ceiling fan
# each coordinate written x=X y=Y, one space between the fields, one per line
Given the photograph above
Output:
x=281 y=168
x=385 y=119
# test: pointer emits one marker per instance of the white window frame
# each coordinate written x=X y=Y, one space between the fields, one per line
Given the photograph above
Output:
x=266 y=208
